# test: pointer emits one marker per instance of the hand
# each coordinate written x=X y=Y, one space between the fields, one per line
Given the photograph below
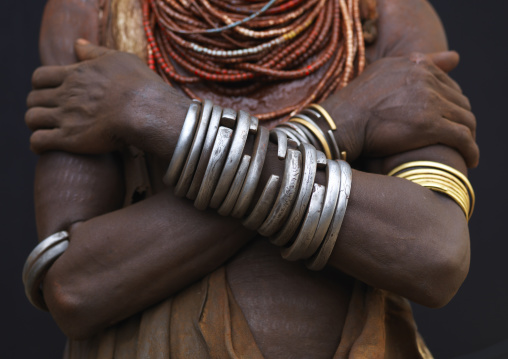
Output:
x=403 y=103
x=92 y=106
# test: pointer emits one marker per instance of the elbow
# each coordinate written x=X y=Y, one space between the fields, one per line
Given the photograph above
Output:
x=443 y=274
x=70 y=309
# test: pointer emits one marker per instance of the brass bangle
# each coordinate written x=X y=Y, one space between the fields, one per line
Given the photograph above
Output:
x=462 y=198
x=452 y=185
x=432 y=172
x=443 y=189
x=427 y=165
x=316 y=133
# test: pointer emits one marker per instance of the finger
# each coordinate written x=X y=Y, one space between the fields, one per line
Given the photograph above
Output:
x=38 y=118
x=46 y=140
x=48 y=76
x=459 y=137
x=42 y=98
x=458 y=114
x=453 y=96
x=85 y=50
x=445 y=60
x=445 y=78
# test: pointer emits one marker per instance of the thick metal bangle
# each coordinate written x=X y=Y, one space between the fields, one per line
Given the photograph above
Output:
x=214 y=167
x=286 y=196
x=295 y=131
x=318 y=261
x=331 y=198
x=310 y=137
x=302 y=200
x=211 y=134
x=232 y=196
x=324 y=114
x=253 y=175
x=233 y=160
x=263 y=205
x=189 y=168
x=183 y=145
x=42 y=247
x=37 y=271
x=281 y=141
x=290 y=135
x=336 y=153
x=311 y=125
x=254 y=125
x=321 y=160
x=298 y=248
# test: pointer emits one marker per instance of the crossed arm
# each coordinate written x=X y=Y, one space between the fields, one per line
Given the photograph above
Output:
x=386 y=240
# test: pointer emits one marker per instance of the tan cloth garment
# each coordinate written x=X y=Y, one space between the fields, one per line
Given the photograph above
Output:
x=204 y=321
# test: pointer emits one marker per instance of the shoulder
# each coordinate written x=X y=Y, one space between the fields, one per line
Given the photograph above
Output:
x=63 y=22
x=406 y=26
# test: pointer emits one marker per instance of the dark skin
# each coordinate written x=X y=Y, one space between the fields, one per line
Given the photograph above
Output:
x=111 y=99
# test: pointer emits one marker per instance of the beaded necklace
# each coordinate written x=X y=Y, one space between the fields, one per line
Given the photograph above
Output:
x=250 y=43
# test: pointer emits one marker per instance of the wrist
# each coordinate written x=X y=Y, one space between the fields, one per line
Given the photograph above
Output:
x=349 y=125
x=155 y=120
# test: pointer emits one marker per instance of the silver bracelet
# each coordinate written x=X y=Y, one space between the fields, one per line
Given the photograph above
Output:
x=263 y=205
x=233 y=160
x=286 y=196
x=298 y=248
x=235 y=188
x=38 y=263
x=281 y=140
x=289 y=134
x=251 y=181
x=310 y=137
x=214 y=167
x=332 y=195
x=211 y=134
x=303 y=197
x=189 y=168
x=183 y=145
x=318 y=261
x=295 y=131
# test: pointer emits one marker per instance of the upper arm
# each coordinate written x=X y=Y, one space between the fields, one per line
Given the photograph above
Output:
x=63 y=22
x=406 y=26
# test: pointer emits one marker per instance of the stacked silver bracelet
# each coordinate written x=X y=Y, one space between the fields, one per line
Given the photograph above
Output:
x=38 y=263
x=209 y=166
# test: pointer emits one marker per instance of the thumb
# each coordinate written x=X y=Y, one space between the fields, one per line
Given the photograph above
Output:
x=445 y=60
x=85 y=50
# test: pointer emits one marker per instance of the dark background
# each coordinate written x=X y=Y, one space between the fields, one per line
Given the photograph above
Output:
x=473 y=325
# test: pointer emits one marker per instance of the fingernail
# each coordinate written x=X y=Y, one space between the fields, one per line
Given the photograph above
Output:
x=82 y=42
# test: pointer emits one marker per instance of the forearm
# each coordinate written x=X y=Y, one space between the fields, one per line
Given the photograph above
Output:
x=402 y=237
x=136 y=257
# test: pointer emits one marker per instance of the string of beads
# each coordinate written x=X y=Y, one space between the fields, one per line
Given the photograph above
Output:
x=237 y=47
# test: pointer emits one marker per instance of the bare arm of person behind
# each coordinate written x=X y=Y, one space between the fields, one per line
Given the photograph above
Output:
x=115 y=253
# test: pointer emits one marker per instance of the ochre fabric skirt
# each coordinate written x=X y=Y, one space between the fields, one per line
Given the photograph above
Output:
x=204 y=321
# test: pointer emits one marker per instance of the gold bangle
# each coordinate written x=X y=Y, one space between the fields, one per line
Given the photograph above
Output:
x=325 y=114
x=443 y=189
x=316 y=133
x=452 y=184
x=461 y=198
x=428 y=165
x=432 y=172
